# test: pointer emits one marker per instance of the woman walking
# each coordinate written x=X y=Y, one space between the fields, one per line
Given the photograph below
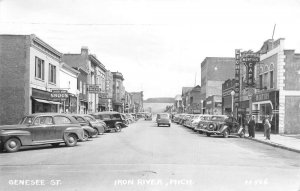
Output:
x=267 y=127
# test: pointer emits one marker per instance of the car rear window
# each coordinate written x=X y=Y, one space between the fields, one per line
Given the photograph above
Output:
x=26 y=120
x=89 y=118
x=62 y=120
x=162 y=115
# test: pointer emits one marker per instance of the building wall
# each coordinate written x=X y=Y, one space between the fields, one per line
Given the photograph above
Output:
x=292 y=70
x=43 y=84
x=214 y=88
x=292 y=115
x=215 y=70
x=68 y=80
x=14 y=78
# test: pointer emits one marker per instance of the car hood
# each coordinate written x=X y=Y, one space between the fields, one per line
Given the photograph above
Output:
x=7 y=127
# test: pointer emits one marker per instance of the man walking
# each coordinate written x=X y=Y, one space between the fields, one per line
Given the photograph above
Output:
x=251 y=127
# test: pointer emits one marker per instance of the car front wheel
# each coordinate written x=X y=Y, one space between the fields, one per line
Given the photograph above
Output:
x=118 y=128
x=85 y=136
x=71 y=140
x=225 y=134
x=208 y=134
x=12 y=145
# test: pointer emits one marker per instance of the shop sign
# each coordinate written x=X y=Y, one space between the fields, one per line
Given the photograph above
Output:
x=237 y=77
x=262 y=97
x=95 y=89
x=250 y=59
x=59 y=95
x=103 y=95
x=218 y=104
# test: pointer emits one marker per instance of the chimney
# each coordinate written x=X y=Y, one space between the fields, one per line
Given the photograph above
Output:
x=84 y=50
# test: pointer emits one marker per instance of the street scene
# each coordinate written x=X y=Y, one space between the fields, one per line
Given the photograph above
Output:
x=176 y=159
x=150 y=95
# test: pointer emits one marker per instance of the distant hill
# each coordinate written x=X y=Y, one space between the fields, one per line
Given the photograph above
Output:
x=160 y=100
x=155 y=107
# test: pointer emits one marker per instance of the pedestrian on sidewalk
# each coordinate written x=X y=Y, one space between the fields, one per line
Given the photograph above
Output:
x=251 y=127
x=267 y=127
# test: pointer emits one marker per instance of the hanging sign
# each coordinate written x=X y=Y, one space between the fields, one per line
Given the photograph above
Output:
x=237 y=78
x=250 y=59
x=59 y=95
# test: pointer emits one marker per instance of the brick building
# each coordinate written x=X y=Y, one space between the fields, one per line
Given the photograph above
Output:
x=214 y=72
x=92 y=74
x=29 y=71
x=118 y=92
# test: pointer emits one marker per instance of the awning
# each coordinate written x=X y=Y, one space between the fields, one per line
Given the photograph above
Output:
x=46 y=101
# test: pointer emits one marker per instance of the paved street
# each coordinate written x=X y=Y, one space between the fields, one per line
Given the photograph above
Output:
x=146 y=157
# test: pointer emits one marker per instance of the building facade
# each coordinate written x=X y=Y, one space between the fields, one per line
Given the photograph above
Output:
x=118 y=92
x=68 y=81
x=29 y=72
x=214 y=72
x=86 y=63
x=137 y=101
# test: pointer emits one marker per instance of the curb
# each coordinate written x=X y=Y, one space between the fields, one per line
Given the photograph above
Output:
x=274 y=145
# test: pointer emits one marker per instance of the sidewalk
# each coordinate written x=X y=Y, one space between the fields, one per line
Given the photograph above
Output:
x=288 y=142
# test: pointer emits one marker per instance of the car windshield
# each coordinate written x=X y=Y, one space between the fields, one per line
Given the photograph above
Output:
x=26 y=120
x=217 y=118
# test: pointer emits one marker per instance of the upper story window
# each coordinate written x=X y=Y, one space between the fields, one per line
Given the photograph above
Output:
x=80 y=88
x=39 y=68
x=271 y=76
x=52 y=74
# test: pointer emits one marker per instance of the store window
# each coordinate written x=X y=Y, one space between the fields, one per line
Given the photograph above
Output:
x=271 y=76
x=39 y=68
x=52 y=74
x=271 y=80
x=261 y=81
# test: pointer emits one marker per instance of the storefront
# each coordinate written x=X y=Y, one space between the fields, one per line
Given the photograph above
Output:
x=227 y=88
x=265 y=105
x=69 y=105
x=41 y=102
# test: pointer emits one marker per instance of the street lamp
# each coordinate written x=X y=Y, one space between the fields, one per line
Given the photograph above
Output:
x=232 y=99
x=201 y=101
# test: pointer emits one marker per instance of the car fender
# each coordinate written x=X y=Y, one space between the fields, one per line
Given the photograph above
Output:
x=223 y=128
x=76 y=130
x=24 y=136
x=122 y=124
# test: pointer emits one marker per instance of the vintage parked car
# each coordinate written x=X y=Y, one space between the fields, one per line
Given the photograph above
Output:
x=163 y=119
x=114 y=120
x=202 y=123
x=90 y=129
x=41 y=128
x=195 y=121
x=127 y=120
x=224 y=125
x=130 y=117
x=148 y=116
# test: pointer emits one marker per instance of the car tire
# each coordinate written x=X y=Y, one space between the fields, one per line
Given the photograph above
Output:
x=208 y=134
x=85 y=136
x=55 y=144
x=97 y=131
x=71 y=140
x=225 y=133
x=157 y=124
x=12 y=145
x=117 y=128
x=169 y=125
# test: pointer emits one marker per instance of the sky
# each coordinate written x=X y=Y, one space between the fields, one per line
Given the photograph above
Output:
x=158 y=45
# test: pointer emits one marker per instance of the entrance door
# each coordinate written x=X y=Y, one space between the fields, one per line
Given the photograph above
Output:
x=42 y=129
